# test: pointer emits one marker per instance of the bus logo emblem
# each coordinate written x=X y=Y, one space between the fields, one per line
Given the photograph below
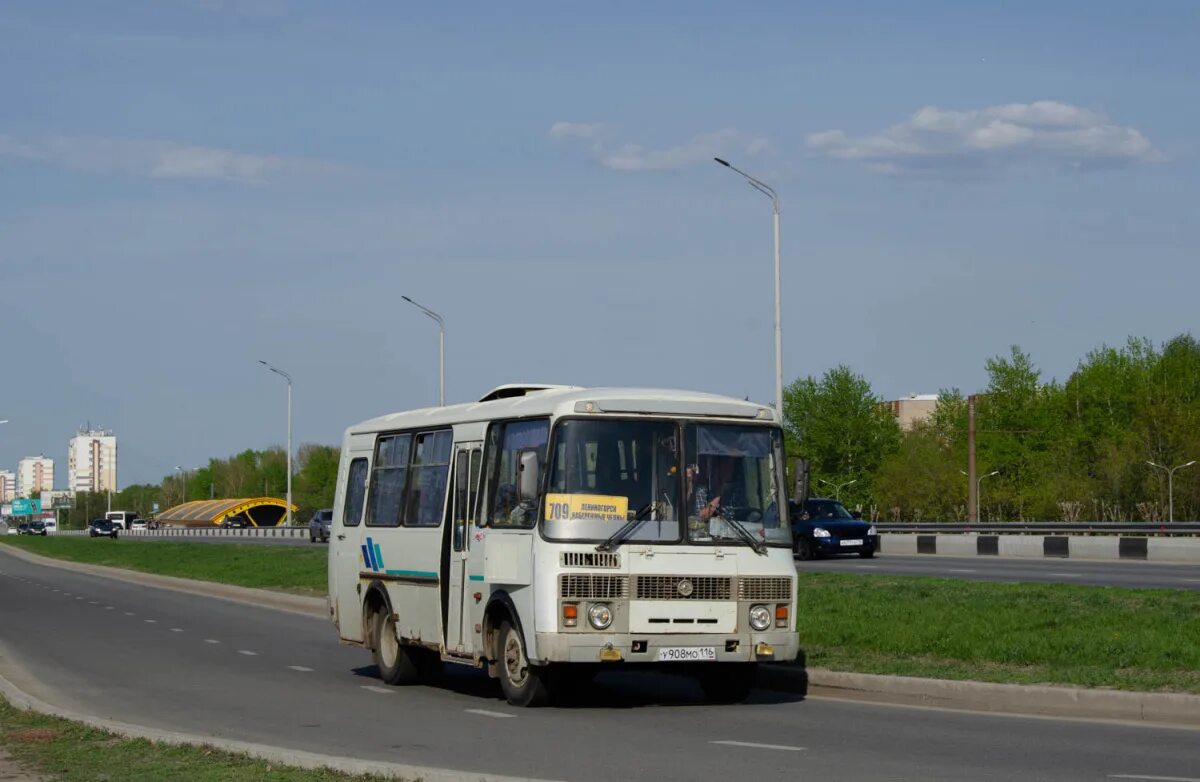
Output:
x=684 y=587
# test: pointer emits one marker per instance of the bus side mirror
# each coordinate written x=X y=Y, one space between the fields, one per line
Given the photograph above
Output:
x=528 y=478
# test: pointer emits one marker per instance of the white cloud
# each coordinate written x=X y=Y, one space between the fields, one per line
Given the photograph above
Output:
x=160 y=159
x=934 y=139
x=635 y=157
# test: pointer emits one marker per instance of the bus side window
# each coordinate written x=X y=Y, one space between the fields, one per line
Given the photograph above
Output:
x=356 y=492
x=508 y=510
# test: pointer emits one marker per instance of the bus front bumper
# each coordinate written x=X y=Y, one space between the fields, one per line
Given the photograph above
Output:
x=777 y=646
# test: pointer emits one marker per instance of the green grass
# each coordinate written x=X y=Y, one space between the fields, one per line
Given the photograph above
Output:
x=1129 y=639
x=70 y=752
x=295 y=569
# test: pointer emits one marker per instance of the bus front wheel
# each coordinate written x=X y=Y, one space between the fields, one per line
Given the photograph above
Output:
x=523 y=684
x=397 y=663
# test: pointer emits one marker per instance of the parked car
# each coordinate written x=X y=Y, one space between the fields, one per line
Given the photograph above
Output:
x=11 y=529
x=823 y=527
x=319 y=524
x=103 y=528
x=36 y=528
x=23 y=528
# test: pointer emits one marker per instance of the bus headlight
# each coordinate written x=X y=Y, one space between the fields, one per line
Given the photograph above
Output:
x=600 y=616
x=760 y=618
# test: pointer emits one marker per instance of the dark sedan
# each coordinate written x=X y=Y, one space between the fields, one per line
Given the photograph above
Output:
x=103 y=528
x=825 y=528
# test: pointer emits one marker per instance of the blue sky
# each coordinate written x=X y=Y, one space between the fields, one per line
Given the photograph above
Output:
x=187 y=187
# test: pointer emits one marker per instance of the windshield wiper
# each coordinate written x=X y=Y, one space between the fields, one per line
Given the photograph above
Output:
x=759 y=546
x=628 y=529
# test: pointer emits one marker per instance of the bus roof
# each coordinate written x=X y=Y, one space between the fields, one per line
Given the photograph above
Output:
x=567 y=400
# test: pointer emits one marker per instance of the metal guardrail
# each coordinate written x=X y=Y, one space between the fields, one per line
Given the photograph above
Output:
x=1140 y=528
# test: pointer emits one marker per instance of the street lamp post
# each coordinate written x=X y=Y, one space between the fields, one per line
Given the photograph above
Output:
x=441 y=349
x=979 y=488
x=1170 y=471
x=768 y=191
x=183 y=478
x=288 y=378
x=837 y=487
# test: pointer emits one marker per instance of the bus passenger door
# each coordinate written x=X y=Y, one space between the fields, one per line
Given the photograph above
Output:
x=462 y=521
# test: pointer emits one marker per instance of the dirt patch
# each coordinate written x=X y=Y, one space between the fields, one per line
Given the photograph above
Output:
x=10 y=771
x=36 y=736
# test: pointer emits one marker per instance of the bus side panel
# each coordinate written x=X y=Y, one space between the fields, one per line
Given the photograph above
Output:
x=339 y=503
x=408 y=557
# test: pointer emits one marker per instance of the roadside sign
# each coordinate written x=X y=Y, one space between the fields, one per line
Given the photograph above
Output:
x=154 y=508
x=24 y=507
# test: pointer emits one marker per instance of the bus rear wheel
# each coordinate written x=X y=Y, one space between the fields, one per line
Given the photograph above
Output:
x=397 y=663
x=523 y=684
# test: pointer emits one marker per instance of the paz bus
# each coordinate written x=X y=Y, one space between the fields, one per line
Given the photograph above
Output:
x=547 y=531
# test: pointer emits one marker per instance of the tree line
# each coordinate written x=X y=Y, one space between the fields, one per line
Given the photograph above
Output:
x=1073 y=450
x=251 y=473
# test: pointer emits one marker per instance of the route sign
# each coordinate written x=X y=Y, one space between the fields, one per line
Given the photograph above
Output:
x=24 y=507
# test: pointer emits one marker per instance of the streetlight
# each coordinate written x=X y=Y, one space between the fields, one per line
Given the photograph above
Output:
x=769 y=192
x=182 y=477
x=978 y=488
x=837 y=487
x=441 y=349
x=288 y=378
x=1171 y=484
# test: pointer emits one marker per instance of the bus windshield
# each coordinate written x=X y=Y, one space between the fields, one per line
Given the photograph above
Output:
x=605 y=474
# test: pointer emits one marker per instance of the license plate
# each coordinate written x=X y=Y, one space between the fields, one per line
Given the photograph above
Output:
x=684 y=654
x=852 y=542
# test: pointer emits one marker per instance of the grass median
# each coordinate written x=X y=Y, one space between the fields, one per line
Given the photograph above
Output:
x=295 y=569
x=68 y=751
x=1129 y=639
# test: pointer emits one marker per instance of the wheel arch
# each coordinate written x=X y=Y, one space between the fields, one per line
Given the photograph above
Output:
x=499 y=607
x=375 y=597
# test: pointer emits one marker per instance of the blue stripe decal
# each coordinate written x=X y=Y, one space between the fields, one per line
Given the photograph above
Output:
x=378 y=556
x=476 y=578
x=366 y=557
x=413 y=573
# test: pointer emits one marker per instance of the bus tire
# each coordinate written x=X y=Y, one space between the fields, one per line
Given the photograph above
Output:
x=397 y=663
x=729 y=682
x=523 y=684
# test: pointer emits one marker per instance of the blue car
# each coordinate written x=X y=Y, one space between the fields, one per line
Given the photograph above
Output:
x=823 y=528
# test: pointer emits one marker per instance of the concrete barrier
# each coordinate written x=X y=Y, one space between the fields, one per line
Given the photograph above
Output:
x=1100 y=547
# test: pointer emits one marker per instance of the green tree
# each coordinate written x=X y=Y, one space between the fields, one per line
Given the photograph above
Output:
x=840 y=425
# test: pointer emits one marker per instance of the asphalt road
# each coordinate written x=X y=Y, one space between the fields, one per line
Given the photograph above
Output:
x=183 y=662
x=1120 y=573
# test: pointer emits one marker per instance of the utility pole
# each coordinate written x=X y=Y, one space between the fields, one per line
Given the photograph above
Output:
x=972 y=485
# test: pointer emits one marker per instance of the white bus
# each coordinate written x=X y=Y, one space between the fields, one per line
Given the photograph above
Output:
x=545 y=531
x=122 y=518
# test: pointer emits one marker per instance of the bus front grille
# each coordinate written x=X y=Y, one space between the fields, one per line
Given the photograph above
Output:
x=764 y=588
x=596 y=559
x=592 y=586
x=684 y=588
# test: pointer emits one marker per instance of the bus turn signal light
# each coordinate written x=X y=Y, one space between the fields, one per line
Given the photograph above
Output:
x=570 y=615
x=781 y=616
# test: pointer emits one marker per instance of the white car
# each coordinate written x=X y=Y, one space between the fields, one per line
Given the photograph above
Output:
x=138 y=524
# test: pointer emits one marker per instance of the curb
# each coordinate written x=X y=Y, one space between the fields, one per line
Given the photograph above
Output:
x=1151 y=708
x=1160 y=709
x=1108 y=548
x=284 y=757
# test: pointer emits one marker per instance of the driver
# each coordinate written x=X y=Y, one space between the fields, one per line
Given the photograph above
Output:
x=708 y=492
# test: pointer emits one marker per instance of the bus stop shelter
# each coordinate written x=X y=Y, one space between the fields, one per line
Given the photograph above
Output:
x=257 y=511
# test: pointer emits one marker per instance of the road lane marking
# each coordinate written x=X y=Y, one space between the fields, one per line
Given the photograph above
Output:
x=130 y=613
x=93 y=603
x=1065 y=575
x=300 y=668
x=1154 y=778
x=380 y=690
x=960 y=570
x=176 y=629
x=486 y=713
x=110 y=608
x=150 y=621
x=247 y=652
x=755 y=745
x=211 y=641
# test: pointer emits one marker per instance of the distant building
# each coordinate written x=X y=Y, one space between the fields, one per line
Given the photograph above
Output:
x=8 y=485
x=92 y=461
x=34 y=473
x=913 y=409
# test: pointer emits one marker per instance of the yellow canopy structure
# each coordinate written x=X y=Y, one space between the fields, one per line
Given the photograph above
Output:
x=258 y=511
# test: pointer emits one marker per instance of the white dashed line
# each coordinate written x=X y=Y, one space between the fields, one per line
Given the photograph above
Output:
x=130 y=613
x=176 y=629
x=486 y=713
x=93 y=603
x=300 y=668
x=150 y=621
x=1065 y=575
x=247 y=652
x=211 y=641
x=754 y=745
x=960 y=570
x=110 y=608
x=78 y=597
x=380 y=690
